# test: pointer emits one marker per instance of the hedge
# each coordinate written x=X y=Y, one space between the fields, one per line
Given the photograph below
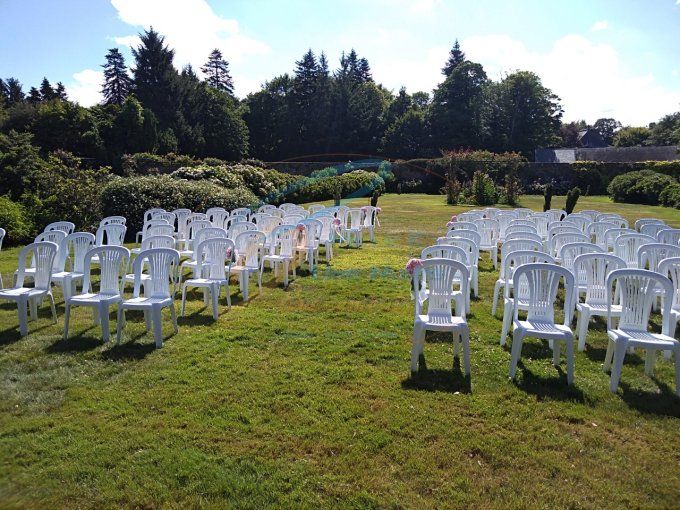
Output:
x=358 y=183
x=643 y=187
x=16 y=222
x=130 y=197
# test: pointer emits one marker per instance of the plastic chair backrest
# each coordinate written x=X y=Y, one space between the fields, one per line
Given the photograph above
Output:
x=649 y=255
x=120 y=220
x=110 y=235
x=214 y=256
x=113 y=261
x=439 y=275
x=42 y=255
x=79 y=243
x=670 y=268
x=595 y=267
x=65 y=226
x=160 y=265
x=542 y=282
x=669 y=236
x=626 y=247
x=247 y=245
x=514 y=259
x=157 y=242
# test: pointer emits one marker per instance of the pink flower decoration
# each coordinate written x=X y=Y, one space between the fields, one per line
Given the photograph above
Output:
x=364 y=208
x=412 y=265
x=228 y=253
x=450 y=223
x=300 y=227
x=378 y=210
x=454 y=218
x=337 y=222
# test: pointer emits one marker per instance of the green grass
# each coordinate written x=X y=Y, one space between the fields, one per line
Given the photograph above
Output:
x=303 y=398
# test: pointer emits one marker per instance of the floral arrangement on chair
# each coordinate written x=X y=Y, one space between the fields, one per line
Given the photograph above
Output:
x=410 y=269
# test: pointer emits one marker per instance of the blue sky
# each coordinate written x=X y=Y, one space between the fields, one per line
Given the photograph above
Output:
x=617 y=58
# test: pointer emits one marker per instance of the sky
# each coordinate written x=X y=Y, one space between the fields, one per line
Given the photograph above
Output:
x=603 y=58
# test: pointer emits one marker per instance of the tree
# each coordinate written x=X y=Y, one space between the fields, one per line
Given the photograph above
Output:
x=156 y=81
x=525 y=114
x=216 y=72
x=420 y=100
x=631 y=136
x=456 y=58
x=399 y=106
x=406 y=138
x=11 y=91
x=666 y=131
x=34 y=96
x=456 y=114
x=117 y=82
x=607 y=128
x=47 y=93
x=569 y=133
x=60 y=92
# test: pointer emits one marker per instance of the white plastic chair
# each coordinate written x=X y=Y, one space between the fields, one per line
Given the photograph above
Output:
x=281 y=251
x=201 y=235
x=559 y=240
x=438 y=275
x=461 y=298
x=509 y=246
x=471 y=248
x=463 y=225
x=292 y=219
x=489 y=231
x=110 y=235
x=161 y=264
x=238 y=228
x=213 y=264
x=73 y=248
x=504 y=219
x=307 y=245
x=314 y=208
x=166 y=216
x=112 y=261
x=596 y=267
x=120 y=220
x=669 y=236
x=541 y=221
x=65 y=226
x=370 y=217
x=353 y=227
x=591 y=213
x=653 y=229
x=266 y=208
x=217 y=216
x=556 y=214
x=242 y=211
x=626 y=247
x=610 y=218
x=327 y=236
x=523 y=212
x=542 y=281
x=3 y=232
x=670 y=268
x=596 y=232
x=635 y=288
x=193 y=228
x=610 y=236
x=580 y=220
x=471 y=216
x=517 y=296
x=523 y=235
x=43 y=255
x=247 y=258
x=647 y=221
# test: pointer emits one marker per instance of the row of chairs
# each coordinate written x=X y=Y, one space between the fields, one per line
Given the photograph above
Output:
x=533 y=262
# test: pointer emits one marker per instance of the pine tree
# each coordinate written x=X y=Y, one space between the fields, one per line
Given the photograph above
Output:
x=46 y=90
x=34 y=96
x=456 y=57
x=117 y=82
x=216 y=71
x=14 y=92
x=156 y=81
x=60 y=91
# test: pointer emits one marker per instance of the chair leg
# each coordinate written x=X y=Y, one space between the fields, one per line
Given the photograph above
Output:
x=507 y=312
x=53 y=308
x=582 y=327
x=120 y=323
x=570 y=360
x=515 y=353
x=95 y=316
x=104 y=316
x=465 y=336
x=22 y=311
x=246 y=277
x=157 y=320
x=677 y=371
x=67 y=318
x=619 y=353
x=556 y=347
x=416 y=349
x=229 y=291
x=456 y=344
x=33 y=309
x=173 y=315
x=494 y=305
x=215 y=294
x=650 y=358
x=285 y=272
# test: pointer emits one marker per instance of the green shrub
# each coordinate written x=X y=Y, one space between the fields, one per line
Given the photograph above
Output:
x=452 y=191
x=483 y=189
x=643 y=187
x=130 y=197
x=547 y=197
x=15 y=220
x=572 y=197
x=144 y=163
x=670 y=196
x=358 y=183
x=590 y=177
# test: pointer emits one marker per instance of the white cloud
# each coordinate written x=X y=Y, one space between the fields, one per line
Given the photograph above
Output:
x=599 y=26
x=190 y=27
x=127 y=40
x=86 y=87
x=588 y=77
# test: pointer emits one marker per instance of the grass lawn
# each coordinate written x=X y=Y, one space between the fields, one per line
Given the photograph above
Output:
x=303 y=398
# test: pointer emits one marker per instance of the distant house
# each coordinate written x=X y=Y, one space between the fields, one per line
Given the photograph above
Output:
x=590 y=139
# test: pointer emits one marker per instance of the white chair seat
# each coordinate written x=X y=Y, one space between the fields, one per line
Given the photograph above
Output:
x=642 y=338
x=140 y=303
x=136 y=250
x=64 y=274
x=28 y=292
x=94 y=298
x=599 y=308
x=436 y=322
x=131 y=278
x=205 y=282
x=248 y=269
x=545 y=330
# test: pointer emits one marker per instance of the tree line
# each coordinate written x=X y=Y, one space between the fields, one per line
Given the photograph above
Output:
x=153 y=107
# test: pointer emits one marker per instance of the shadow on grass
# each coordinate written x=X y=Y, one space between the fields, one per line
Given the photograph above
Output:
x=130 y=351
x=78 y=342
x=450 y=381
x=665 y=403
x=554 y=388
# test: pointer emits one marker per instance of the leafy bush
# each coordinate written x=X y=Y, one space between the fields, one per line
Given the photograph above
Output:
x=483 y=189
x=547 y=197
x=452 y=191
x=144 y=163
x=130 y=197
x=15 y=220
x=670 y=197
x=572 y=197
x=351 y=184
x=643 y=187
x=512 y=189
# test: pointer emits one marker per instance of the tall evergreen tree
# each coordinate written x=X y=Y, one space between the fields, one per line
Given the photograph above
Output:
x=14 y=91
x=156 y=81
x=216 y=71
x=60 y=92
x=117 y=82
x=4 y=92
x=46 y=90
x=456 y=58
x=34 y=96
